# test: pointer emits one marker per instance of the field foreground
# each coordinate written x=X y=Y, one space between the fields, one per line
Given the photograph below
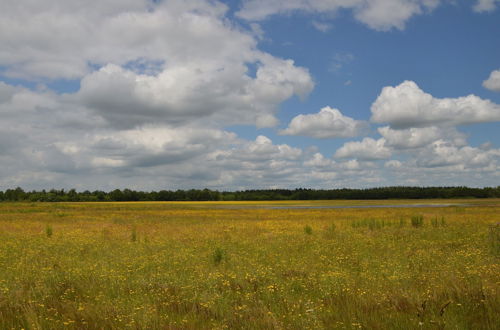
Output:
x=250 y=265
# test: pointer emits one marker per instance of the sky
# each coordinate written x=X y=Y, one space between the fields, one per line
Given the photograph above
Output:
x=249 y=94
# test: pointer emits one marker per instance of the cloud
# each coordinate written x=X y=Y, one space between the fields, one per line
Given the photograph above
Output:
x=322 y=26
x=70 y=146
x=159 y=145
x=169 y=62
x=406 y=105
x=63 y=39
x=386 y=14
x=419 y=137
x=443 y=153
x=367 y=149
x=161 y=82
x=493 y=82
x=153 y=156
x=339 y=60
x=393 y=164
x=259 y=163
x=193 y=91
x=327 y=123
x=264 y=149
x=485 y=5
x=350 y=165
x=6 y=92
x=319 y=161
x=379 y=15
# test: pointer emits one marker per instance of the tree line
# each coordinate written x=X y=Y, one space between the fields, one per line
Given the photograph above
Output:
x=117 y=195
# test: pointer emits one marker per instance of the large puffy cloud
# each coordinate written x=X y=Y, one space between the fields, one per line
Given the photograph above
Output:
x=367 y=149
x=327 y=123
x=148 y=61
x=406 y=105
x=190 y=92
x=167 y=61
x=493 y=82
x=377 y=14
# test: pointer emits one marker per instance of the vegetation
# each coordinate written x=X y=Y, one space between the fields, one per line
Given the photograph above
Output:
x=117 y=195
x=224 y=265
x=417 y=221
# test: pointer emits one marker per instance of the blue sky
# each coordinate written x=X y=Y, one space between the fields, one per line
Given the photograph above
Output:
x=249 y=94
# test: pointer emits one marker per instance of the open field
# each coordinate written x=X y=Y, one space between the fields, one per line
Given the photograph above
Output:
x=251 y=265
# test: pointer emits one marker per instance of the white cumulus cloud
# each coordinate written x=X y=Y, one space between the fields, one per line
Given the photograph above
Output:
x=194 y=91
x=327 y=123
x=406 y=105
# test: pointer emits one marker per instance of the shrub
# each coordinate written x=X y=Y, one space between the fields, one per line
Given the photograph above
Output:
x=308 y=230
x=49 y=231
x=417 y=221
x=133 y=235
x=218 y=255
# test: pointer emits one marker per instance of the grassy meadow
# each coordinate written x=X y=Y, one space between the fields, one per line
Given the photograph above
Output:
x=248 y=265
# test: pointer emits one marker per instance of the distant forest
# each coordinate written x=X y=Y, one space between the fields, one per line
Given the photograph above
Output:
x=118 y=195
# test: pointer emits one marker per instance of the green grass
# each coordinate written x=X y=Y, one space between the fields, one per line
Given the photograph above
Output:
x=204 y=265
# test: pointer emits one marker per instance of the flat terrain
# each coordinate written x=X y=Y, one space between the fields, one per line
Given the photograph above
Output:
x=254 y=265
